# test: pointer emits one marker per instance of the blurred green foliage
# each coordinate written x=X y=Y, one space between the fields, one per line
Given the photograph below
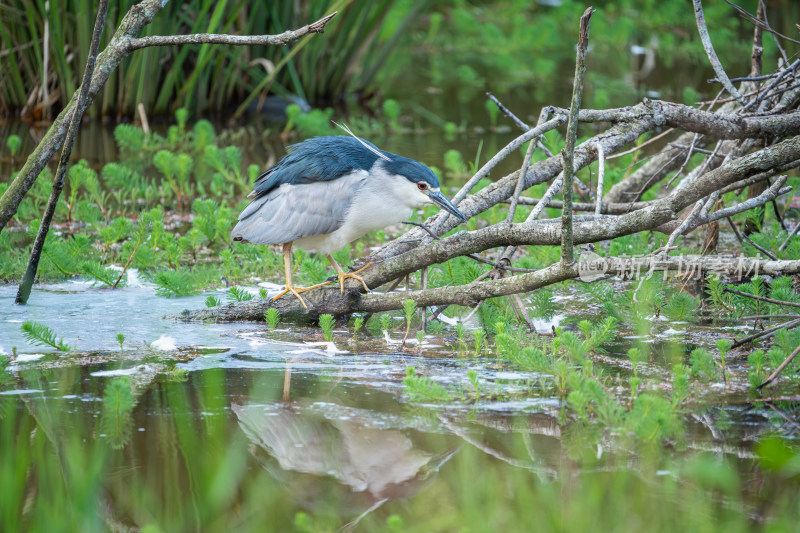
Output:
x=450 y=45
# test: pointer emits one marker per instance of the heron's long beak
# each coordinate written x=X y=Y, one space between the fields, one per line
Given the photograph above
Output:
x=441 y=200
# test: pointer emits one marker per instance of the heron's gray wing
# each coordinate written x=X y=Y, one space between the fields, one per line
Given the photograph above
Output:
x=290 y=212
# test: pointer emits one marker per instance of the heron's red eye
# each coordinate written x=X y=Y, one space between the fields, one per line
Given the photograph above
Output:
x=422 y=186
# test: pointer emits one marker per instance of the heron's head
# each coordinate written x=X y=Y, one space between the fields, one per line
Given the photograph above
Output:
x=421 y=186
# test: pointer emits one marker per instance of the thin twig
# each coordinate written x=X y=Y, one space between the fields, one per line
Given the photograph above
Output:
x=600 y=175
x=759 y=247
x=520 y=124
x=780 y=368
x=735 y=230
x=763 y=94
x=712 y=55
x=682 y=228
x=761 y=298
x=792 y=234
x=522 y=171
x=26 y=285
x=760 y=22
x=642 y=145
x=471 y=256
x=767 y=333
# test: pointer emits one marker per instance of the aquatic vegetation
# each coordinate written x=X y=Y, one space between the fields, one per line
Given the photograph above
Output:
x=424 y=389
x=703 y=364
x=41 y=335
x=120 y=341
x=13 y=143
x=272 y=317
x=358 y=323
x=409 y=308
x=171 y=283
x=213 y=301
x=326 y=323
x=118 y=403
x=238 y=294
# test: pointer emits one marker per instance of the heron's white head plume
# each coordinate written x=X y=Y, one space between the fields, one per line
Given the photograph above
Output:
x=365 y=145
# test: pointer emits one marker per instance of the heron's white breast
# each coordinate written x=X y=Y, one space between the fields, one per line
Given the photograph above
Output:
x=383 y=199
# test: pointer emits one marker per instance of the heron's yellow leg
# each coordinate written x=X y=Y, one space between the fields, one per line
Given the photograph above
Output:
x=290 y=287
x=342 y=275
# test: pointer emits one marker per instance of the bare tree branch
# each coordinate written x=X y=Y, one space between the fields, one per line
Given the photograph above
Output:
x=282 y=39
x=712 y=55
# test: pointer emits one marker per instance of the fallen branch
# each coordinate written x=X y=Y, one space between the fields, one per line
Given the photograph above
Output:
x=331 y=300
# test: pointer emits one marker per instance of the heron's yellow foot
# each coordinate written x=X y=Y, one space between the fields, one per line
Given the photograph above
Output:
x=353 y=275
x=297 y=290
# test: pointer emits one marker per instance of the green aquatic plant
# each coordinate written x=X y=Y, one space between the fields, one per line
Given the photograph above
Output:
x=13 y=143
x=637 y=356
x=120 y=341
x=391 y=108
x=724 y=346
x=272 y=317
x=409 y=308
x=118 y=404
x=756 y=360
x=40 y=335
x=385 y=321
x=326 y=322
x=212 y=301
x=358 y=323
x=423 y=389
x=703 y=365
x=479 y=340
x=420 y=337
x=238 y=294
x=99 y=273
x=680 y=307
x=172 y=283
x=543 y=304
x=455 y=165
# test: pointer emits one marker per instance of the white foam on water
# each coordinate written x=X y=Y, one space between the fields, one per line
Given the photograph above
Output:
x=164 y=342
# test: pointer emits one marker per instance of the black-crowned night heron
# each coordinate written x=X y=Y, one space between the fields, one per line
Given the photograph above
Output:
x=327 y=192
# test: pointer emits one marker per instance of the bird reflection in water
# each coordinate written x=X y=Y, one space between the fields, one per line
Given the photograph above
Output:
x=328 y=454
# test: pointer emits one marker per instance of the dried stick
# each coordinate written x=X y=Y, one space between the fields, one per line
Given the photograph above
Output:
x=712 y=55
x=758 y=46
x=525 y=164
x=502 y=154
x=759 y=247
x=26 y=285
x=568 y=153
x=763 y=94
x=600 y=175
x=767 y=333
x=520 y=124
x=792 y=234
x=682 y=228
x=640 y=146
x=780 y=368
x=234 y=40
x=761 y=298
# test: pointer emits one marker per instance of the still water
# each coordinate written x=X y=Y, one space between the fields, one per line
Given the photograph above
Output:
x=275 y=430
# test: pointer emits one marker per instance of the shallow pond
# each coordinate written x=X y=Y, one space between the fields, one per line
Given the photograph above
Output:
x=237 y=427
